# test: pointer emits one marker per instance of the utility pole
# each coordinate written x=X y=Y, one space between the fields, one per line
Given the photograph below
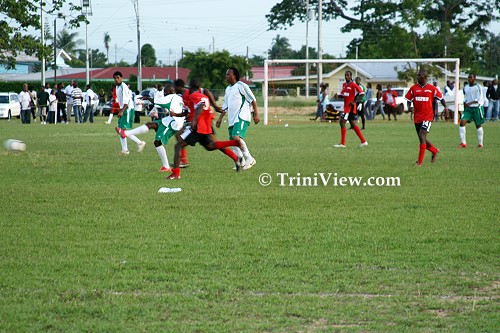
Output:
x=320 y=44
x=139 y=55
x=307 y=48
x=43 y=42
x=86 y=4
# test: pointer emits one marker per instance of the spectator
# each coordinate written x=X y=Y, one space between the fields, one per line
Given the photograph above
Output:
x=69 y=106
x=435 y=102
x=449 y=88
x=139 y=104
x=34 y=103
x=484 y=89
x=102 y=101
x=378 y=103
x=25 y=101
x=61 y=104
x=389 y=98
x=323 y=99
x=368 y=105
x=361 y=105
x=77 y=96
x=89 y=109
x=52 y=105
x=43 y=103
x=493 y=94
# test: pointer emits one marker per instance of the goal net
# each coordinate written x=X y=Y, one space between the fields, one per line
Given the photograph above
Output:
x=272 y=85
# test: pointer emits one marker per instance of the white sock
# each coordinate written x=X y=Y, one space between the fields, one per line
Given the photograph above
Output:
x=138 y=130
x=124 y=144
x=110 y=118
x=462 y=134
x=480 y=135
x=245 y=151
x=134 y=138
x=163 y=156
x=238 y=152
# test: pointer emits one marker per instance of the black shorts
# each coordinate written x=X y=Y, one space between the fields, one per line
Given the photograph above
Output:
x=191 y=137
x=351 y=116
x=425 y=125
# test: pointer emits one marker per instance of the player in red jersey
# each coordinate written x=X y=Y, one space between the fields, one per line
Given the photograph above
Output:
x=184 y=93
x=422 y=96
x=201 y=131
x=349 y=90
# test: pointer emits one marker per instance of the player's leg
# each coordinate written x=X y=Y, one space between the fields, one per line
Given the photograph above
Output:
x=343 y=130
x=239 y=133
x=479 y=120
x=466 y=117
x=352 y=120
x=163 y=134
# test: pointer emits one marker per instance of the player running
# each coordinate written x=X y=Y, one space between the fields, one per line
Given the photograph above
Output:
x=422 y=96
x=201 y=131
x=349 y=90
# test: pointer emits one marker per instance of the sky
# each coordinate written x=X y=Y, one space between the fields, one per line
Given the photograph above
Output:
x=172 y=26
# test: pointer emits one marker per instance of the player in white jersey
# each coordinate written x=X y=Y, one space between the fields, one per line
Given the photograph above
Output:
x=126 y=114
x=166 y=127
x=241 y=107
x=473 y=102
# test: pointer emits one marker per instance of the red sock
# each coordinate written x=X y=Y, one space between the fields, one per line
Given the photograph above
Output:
x=224 y=144
x=432 y=149
x=176 y=172
x=229 y=153
x=421 y=153
x=343 y=131
x=184 y=155
x=358 y=133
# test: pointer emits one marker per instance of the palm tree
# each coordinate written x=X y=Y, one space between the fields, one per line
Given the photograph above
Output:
x=107 y=40
x=66 y=41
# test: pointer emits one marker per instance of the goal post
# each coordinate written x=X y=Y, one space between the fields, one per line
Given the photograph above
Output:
x=265 y=88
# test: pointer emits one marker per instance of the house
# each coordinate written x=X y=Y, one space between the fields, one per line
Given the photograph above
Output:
x=24 y=64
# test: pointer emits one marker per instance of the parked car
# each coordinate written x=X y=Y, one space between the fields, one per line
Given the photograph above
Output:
x=9 y=105
x=106 y=109
x=278 y=92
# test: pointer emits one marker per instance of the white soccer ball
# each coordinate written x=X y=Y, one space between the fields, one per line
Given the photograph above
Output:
x=14 y=145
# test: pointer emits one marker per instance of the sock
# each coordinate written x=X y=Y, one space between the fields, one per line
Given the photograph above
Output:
x=124 y=144
x=163 y=156
x=343 y=132
x=431 y=148
x=134 y=138
x=176 y=171
x=138 y=130
x=184 y=158
x=480 y=135
x=358 y=133
x=224 y=144
x=421 y=153
x=110 y=118
x=245 y=151
x=229 y=153
x=462 y=134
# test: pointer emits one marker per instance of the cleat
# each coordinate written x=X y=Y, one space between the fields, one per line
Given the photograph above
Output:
x=124 y=152
x=340 y=146
x=249 y=165
x=433 y=158
x=364 y=144
x=238 y=164
x=418 y=164
x=462 y=145
x=120 y=132
x=140 y=146
x=480 y=146
x=107 y=122
x=183 y=164
x=172 y=176
x=163 y=169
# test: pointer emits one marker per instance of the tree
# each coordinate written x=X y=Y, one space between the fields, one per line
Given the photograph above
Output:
x=19 y=17
x=211 y=68
x=107 y=40
x=148 y=55
x=97 y=58
x=66 y=41
x=280 y=48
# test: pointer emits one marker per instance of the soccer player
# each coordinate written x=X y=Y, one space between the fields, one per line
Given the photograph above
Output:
x=239 y=101
x=422 y=96
x=361 y=105
x=201 y=131
x=126 y=113
x=349 y=90
x=473 y=100
x=166 y=127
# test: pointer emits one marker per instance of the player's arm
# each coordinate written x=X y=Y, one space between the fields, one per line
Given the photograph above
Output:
x=211 y=97
x=219 y=121
x=255 y=113
x=198 y=110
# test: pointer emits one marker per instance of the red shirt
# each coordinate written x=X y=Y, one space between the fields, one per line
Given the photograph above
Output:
x=204 y=125
x=423 y=98
x=385 y=98
x=349 y=91
x=189 y=103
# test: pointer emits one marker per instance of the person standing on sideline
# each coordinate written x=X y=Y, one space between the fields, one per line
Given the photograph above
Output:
x=77 y=96
x=89 y=109
x=361 y=105
x=473 y=100
x=61 y=104
x=378 y=103
x=486 y=101
x=493 y=95
x=368 y=105
x=323 y=99
x=422 y=95
x=52 y=106
x=25 y=101
x=126 y=113
x=389 y=98
x=238 y=103
x=69 y=105
x=449 y=88
x=349 y=90
x=43 y=103
x=34 y=102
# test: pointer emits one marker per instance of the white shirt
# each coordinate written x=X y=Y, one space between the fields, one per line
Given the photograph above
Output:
x=52 y=103
x=473 y=93
x=89 y=96
x=124 y=96
x=237 y=102
x=68 y=91
x=138 y=103
x=486 y=102
x=448 y=91
x=25 y=99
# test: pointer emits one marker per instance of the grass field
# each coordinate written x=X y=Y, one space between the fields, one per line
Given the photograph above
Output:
x=87 y=243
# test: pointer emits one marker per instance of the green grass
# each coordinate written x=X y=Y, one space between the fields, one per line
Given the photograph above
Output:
x=87 y=243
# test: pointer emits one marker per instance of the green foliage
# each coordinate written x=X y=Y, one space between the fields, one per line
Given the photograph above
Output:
x=211 y=68
x=88 y=245
x=148 y=54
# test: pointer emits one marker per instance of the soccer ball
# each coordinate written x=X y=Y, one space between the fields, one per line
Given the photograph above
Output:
x=14 y=145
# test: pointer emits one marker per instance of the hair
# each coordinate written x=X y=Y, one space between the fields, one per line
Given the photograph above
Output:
x=368 y=85
x=236 y=73
x=117 y=73
x=179 y=83
x=75 y=83
x=379 y=86
x=473 y=74
x=136 y=92
x=194 y=84
x=87 y=86
x=348 y=72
